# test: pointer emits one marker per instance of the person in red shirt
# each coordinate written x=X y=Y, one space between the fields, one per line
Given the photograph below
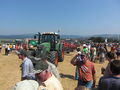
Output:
x=113 y=48
x=86 y=71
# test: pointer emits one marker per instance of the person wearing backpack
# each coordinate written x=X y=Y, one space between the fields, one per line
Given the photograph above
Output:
x=86 y=71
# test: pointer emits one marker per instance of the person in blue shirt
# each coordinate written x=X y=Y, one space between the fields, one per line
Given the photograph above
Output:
x=26 y=66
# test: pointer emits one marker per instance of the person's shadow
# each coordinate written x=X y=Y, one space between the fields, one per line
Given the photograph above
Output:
x=67 y=76
x=94 y=88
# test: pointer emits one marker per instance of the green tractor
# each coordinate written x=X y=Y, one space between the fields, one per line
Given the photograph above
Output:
x=49 y=44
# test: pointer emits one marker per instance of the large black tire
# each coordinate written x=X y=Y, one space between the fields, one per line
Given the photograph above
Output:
x=53 y=57
x=61 y=56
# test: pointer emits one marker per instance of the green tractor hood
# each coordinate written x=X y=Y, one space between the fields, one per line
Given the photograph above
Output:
x=46 y=46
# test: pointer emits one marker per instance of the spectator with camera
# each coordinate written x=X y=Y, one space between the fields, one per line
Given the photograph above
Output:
x=86 y=71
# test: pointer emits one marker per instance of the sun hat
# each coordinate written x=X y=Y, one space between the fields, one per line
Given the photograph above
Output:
x=21 y=52
x=26 y=85
x=40 y=66
x=84 y=45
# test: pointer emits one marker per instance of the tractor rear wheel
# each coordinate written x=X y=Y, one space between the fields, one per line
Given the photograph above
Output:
x=53 y=57
x=61 y=55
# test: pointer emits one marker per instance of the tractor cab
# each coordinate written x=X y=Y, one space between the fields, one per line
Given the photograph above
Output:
x=50 y=37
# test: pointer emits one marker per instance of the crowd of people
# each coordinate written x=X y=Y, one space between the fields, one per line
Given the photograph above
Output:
x=45 y=76
x=9 y=47
x=97 y=51
x=85 y=71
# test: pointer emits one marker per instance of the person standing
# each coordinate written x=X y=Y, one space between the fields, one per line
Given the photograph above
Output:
x=51 y=67
x=46 y=79
x=26 y=66
x=85 y=50
x=102 y=52
x=6 y=49
x=10 y=46
x=118 y=52
x=76 y=70
x=86 y=71
x=0 y=48
x=111 y=82
x=92 y=53
x=110 y=56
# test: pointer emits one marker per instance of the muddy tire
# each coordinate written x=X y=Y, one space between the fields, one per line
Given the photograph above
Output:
x=53 y=57
x=61 y=55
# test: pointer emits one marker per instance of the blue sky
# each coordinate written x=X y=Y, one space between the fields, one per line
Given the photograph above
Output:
x=71 y=17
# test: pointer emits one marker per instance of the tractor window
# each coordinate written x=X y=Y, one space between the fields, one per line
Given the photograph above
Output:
x=58 y=37
x=47 y=38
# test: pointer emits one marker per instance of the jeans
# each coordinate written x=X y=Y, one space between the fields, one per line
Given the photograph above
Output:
x=87 y=84
x=76 y=74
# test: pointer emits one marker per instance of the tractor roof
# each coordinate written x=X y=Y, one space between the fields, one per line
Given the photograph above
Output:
x=50 y=33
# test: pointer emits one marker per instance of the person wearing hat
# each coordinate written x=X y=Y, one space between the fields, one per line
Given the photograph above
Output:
x=51 y=67
x=26 y=85
x=46 y=79
x=26 y=66
x=76 y=70
x=86 y=71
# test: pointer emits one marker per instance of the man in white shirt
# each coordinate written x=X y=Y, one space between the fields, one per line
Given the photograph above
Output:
x=45 y=78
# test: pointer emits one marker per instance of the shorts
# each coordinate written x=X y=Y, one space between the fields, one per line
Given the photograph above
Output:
x=87 y=84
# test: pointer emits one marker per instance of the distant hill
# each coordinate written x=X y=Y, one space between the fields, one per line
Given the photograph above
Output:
x=113 y=36
x=62 y=36
x=31 y=36
x=16 y=36
x=71 y=36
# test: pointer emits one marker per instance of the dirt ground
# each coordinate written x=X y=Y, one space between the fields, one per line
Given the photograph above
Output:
x=10 y=71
